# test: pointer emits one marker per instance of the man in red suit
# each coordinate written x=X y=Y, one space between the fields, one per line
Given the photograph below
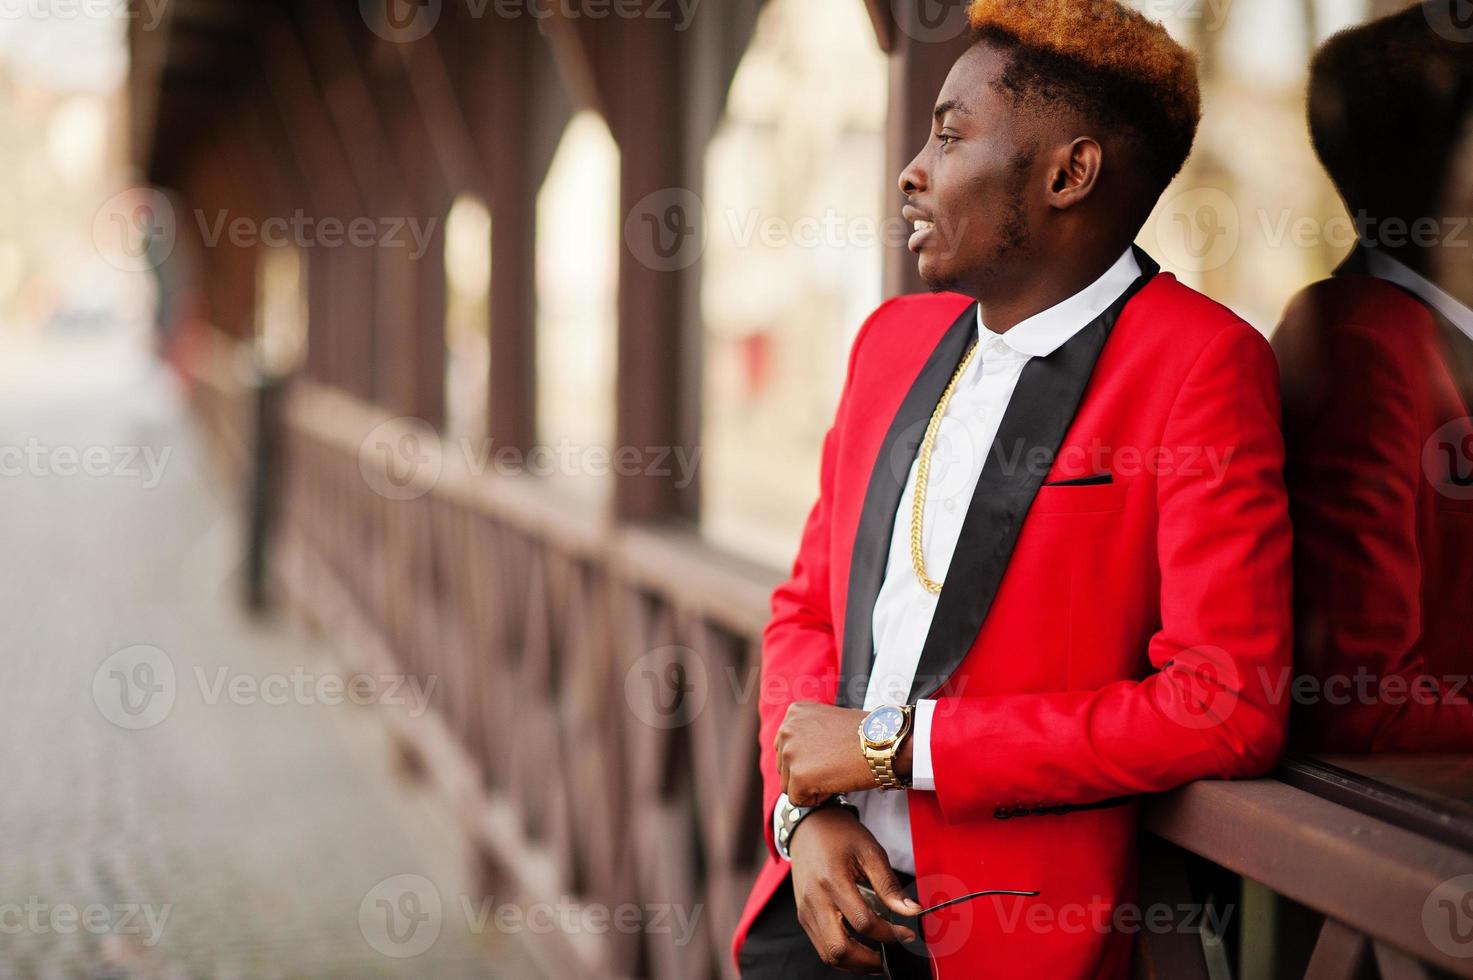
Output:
x=1377 y=369
x=1049 y=567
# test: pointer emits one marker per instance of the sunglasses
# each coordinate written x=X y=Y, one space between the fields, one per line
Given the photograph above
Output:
x=902 y=961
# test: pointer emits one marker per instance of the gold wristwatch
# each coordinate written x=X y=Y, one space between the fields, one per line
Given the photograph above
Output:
x=880 y=735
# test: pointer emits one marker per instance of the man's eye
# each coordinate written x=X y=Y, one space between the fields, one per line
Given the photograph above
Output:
x=946 y=139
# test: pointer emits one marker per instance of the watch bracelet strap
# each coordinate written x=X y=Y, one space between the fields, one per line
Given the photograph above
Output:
x=803 y=812
x=884 y=771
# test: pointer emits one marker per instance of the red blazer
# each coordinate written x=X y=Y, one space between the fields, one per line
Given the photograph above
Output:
x=1379 y=450
x=1092 y=642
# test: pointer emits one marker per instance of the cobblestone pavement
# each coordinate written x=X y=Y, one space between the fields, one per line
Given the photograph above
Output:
x=162 y=813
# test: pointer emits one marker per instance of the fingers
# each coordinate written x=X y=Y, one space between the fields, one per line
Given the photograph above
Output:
x=863 y=918
x=876 y=867
x=827 y=871
x=835 y=946
x=799 y=788
x=784 y=769
x=800 y=795
x=805 y=754
x=784 y=776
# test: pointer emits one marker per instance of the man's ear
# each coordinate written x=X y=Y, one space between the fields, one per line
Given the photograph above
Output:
x=1074 y=172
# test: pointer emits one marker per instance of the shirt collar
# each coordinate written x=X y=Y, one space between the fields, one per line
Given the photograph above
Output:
x=1045 y=332
x=1383 y=266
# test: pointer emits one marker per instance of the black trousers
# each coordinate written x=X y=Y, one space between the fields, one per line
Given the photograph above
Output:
x=777 y=948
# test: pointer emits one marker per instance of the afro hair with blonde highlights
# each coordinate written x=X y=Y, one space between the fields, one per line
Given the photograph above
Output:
x=1104 y=60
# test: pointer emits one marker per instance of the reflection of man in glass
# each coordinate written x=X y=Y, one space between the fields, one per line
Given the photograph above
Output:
x=1378 y=371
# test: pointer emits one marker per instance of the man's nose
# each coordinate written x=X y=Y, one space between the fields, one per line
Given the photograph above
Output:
x=912 y=178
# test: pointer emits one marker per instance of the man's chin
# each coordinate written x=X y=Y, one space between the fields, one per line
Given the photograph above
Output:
x=937 y=278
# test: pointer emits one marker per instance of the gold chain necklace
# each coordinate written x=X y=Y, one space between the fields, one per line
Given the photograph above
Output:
x=923 y=477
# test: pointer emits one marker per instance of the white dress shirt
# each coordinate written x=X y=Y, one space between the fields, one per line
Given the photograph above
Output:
x=1382 y=266
x=903 y=609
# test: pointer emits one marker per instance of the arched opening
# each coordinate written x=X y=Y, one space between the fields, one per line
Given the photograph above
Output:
x=281 y=309
x=467 y=316
x=795 y=190
x=577 y=268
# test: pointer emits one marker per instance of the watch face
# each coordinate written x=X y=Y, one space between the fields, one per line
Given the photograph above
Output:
x=883 y=724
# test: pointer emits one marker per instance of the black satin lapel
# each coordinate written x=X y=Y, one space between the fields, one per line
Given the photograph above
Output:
x=877 y=519
x=1037 y=418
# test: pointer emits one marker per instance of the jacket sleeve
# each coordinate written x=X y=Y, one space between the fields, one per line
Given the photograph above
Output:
x=800 y=646
x=1215 y=704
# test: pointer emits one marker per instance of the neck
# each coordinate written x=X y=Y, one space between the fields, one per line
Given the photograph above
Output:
x=1043 y=285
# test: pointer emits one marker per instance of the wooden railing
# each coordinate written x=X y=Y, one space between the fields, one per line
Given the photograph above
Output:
x=555 y=635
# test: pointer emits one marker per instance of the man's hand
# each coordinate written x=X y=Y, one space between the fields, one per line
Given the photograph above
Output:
x=832 y=853
x=818 y=753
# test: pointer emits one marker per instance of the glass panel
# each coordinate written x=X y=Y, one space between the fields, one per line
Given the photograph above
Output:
x=467 y=316
x=1250 y=219
x=577 y=288
x=1377 y=371
x=795 y=183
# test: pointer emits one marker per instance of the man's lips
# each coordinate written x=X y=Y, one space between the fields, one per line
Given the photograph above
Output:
x=924 y=224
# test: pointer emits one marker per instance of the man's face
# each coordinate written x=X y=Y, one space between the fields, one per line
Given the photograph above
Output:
x=968 y=184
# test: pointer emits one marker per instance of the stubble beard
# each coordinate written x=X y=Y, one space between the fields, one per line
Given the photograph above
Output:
x=1012 y=242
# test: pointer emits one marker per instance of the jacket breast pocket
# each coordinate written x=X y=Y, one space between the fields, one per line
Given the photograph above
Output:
x=1079 y=498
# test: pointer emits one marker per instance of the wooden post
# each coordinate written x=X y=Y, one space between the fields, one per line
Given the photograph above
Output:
x=337 y=277
x=648 y=124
